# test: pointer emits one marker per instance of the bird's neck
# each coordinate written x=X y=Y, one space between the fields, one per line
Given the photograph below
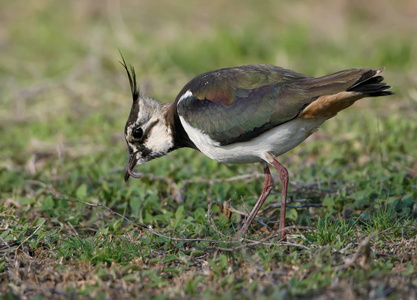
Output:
x=181 y=138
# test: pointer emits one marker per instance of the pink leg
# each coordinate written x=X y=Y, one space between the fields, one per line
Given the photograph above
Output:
x=283 y=174
x=265 y=192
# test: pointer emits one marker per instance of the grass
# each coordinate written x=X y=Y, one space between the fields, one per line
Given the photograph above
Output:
x=70 y=226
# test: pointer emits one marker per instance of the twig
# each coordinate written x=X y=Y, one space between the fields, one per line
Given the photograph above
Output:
x=272 y=207
x=30 y=236
x=364 y=244
x=305 y=205
x=4 y=242
x=278 y=205
x=213 y=226
x=314 y=187
x=57 y=195
x=397 y=227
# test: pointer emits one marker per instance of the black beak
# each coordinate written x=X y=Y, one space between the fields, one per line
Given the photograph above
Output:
x=131 y=163
x=126 y=175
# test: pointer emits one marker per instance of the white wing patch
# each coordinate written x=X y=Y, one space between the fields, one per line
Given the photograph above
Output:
x=186 y=95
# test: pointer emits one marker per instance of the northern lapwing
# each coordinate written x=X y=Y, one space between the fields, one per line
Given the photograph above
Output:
x=245 y=114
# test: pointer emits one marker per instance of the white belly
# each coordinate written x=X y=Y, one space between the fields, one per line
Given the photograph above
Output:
x=277 y=141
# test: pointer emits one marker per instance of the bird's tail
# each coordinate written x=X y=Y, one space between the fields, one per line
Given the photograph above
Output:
x=365 y=81
x=371 y=85
x=337 y=91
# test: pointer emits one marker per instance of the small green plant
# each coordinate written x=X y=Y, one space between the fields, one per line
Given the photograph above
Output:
x=382 y=220
x=99 y=249
x=336 y=232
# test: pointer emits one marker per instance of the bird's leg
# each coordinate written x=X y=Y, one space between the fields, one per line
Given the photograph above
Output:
x=283 y=174
x=266 y=189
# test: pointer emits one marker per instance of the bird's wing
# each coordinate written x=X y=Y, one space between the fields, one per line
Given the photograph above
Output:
x=236 y=104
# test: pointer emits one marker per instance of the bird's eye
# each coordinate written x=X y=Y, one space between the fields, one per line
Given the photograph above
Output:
x=137 y=133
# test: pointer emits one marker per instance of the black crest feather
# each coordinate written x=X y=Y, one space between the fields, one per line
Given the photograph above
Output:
x=131 y=74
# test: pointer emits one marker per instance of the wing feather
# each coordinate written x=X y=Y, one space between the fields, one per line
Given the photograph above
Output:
x=236 y=104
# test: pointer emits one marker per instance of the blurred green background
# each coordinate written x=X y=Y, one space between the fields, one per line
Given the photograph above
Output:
x=64 y=100
x=64 y=94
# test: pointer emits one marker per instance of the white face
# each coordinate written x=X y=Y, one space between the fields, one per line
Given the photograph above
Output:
x=149 y=140
x=147 y=134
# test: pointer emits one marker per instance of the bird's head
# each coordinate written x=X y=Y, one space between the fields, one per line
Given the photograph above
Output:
x=147 y=132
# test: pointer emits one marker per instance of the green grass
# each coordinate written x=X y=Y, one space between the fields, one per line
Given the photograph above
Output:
x=70 y=226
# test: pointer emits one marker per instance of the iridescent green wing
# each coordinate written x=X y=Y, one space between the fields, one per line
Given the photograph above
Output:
x=236 y=104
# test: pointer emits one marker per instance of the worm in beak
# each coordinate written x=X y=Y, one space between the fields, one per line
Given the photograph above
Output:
x=131 y=163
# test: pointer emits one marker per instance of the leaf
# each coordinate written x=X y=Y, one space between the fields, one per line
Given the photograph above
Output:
x=81 y=192
x=179 y=215
x=292 y=214
x=171 y=258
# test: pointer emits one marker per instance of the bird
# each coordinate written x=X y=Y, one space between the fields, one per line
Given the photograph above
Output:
x=244 y=114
